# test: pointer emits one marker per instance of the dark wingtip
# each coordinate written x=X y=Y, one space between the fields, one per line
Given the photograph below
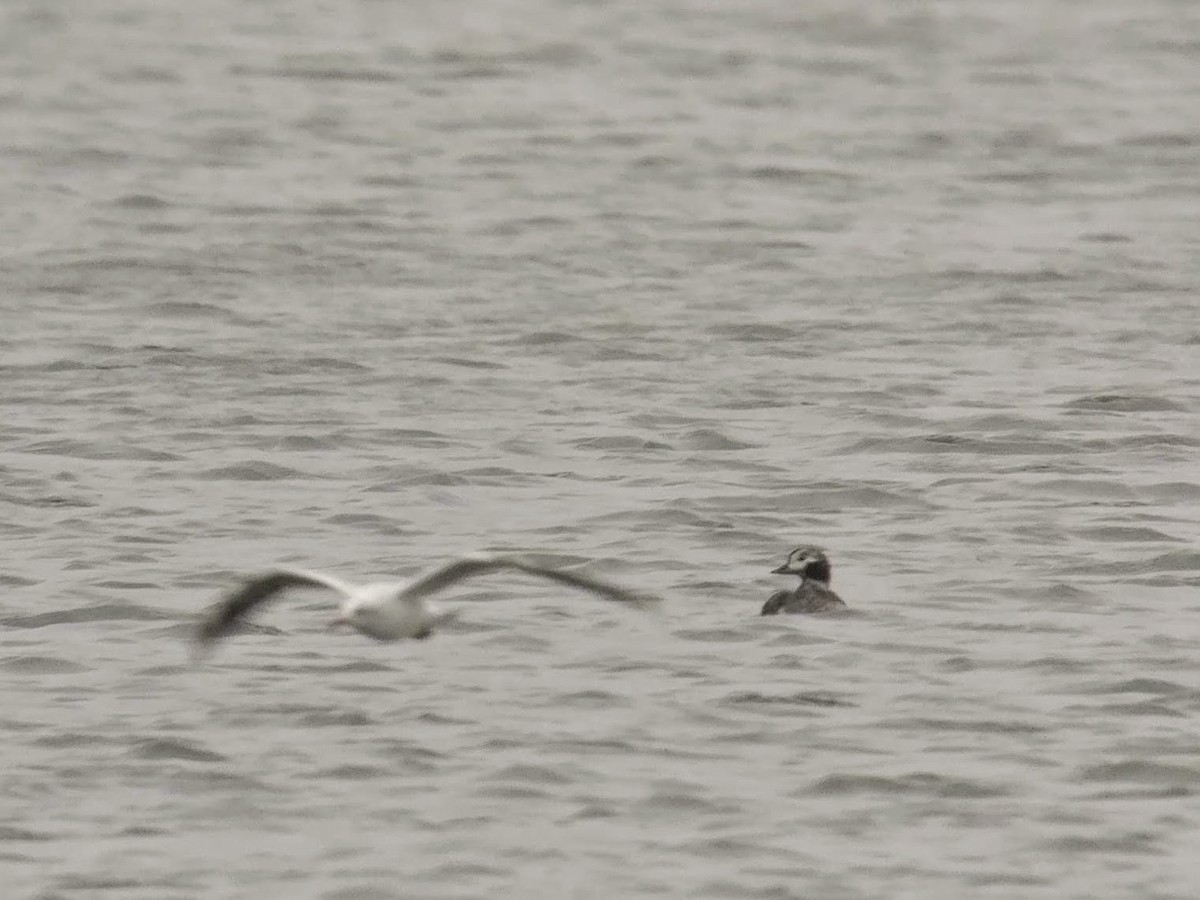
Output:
x=224 y=616
x=206 y=632
x=213 y=625
x=204 y=638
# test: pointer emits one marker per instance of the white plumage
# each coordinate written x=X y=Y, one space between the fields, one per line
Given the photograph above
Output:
x=396 y=610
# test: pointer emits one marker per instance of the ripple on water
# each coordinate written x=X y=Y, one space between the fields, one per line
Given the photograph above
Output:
x=409 y=754
x=353 y=772
x=99 y=450
x=923 y=725
x=251 y=470
x=68 y=739
x=528 y=773
x=1172 y=561
x=166 y=748
x=620 y=443
x=1172 y=492
x=11 y=833
x=363 y=892
x=1176 y=780
x=336 y=718
x=591 y=746
x=407 y=437
x=42 y=665
x=104 y=612
x=717 y=635
x=1017 y=445
x=1146 y=708
x=1123 y=534
x=819 y=699
x=917 y=783
x=678 y=798
x=464 y=363
x=370 y=522
x=543 y=339
x=759 y=332
x=591 y=699
x=101 y=883
x=827 y=497
x=1090 y=491
x=710 y=439
x=1124 y=403
x=1061 y=595
x=1141 y=686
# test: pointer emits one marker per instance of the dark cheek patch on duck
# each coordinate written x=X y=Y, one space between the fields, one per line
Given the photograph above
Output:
x=818 y=570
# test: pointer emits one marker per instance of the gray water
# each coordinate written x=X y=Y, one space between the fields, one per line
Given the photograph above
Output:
x=657 y=291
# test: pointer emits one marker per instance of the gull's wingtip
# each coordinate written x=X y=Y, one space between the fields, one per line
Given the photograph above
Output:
x=208 y=629
x=225 y=615
x=213 y=624
x=200 y=648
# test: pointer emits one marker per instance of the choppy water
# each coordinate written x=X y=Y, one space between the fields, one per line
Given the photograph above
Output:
x=658 y=289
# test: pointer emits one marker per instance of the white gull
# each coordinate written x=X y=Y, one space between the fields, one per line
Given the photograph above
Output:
x=392 y=611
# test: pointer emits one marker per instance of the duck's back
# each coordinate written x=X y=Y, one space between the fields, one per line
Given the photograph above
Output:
x=809 y=597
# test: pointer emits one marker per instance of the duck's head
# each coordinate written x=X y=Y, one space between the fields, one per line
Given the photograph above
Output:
x=807 y=562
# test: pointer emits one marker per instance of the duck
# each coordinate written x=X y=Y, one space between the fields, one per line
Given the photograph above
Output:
x=813 y=594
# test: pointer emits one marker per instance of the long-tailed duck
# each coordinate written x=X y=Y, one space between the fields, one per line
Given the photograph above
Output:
x=813 y=593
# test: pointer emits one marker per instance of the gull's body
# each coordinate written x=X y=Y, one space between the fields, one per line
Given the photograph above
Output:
x=813 y=594
x=391 y=611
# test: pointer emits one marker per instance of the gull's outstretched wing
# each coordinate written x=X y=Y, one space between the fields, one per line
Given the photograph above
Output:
x=223 y=616
x=605 y=589
x=482 y=563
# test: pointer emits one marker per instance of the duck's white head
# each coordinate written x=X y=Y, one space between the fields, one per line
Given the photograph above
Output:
x=807 y=562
